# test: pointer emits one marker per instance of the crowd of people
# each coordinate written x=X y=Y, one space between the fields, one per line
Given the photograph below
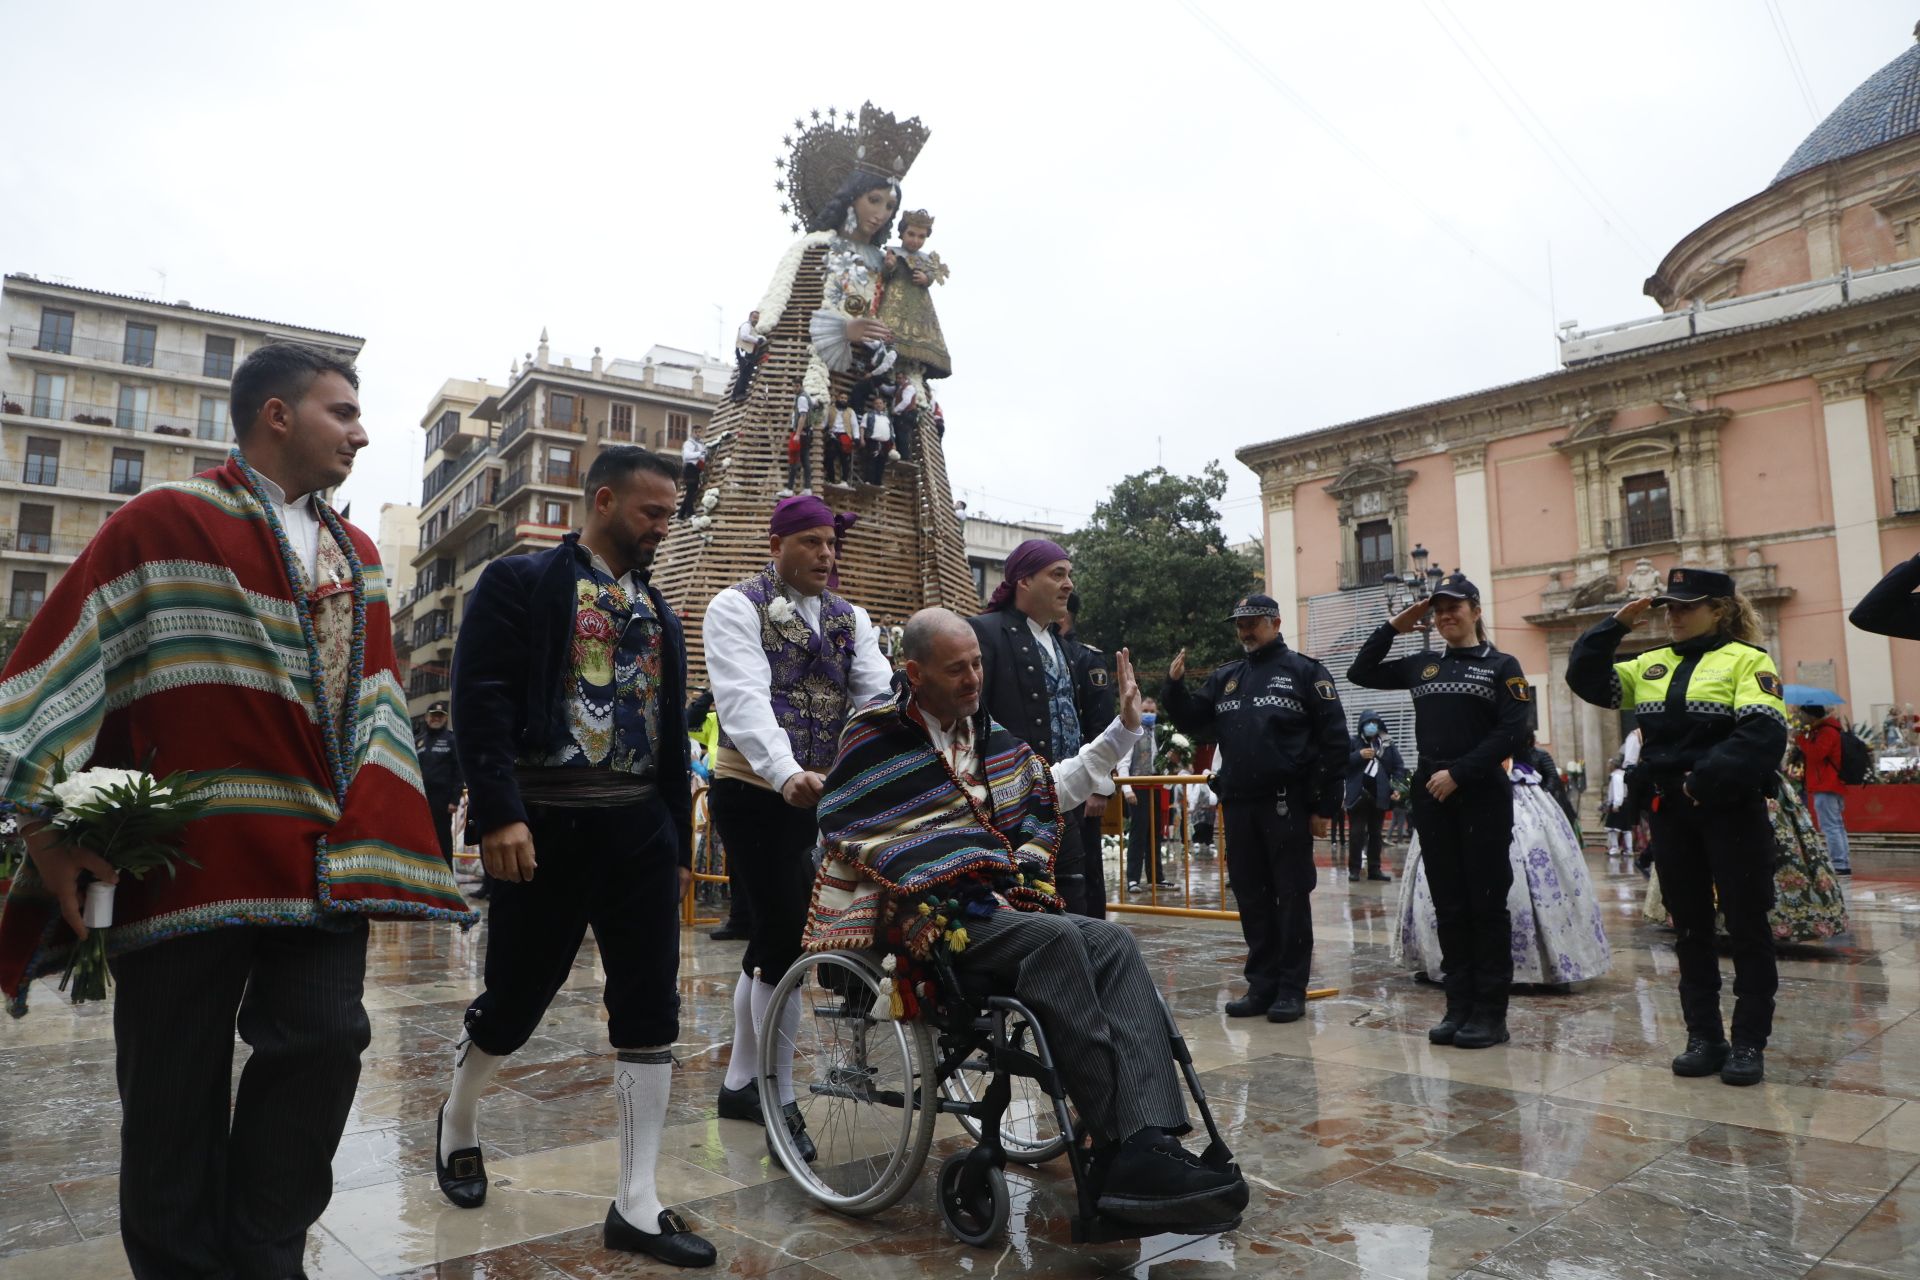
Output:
x=931 y=789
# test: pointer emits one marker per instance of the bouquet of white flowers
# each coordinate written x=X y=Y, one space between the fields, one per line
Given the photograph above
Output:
x=133 y=821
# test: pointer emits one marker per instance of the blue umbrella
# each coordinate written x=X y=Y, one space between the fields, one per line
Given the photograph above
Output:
x=1811 y=695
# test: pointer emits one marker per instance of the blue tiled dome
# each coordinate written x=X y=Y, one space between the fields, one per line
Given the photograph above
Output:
x=1886 y=107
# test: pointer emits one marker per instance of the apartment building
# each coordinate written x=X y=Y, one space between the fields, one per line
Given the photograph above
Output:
x=103 y=395
x=503 y=468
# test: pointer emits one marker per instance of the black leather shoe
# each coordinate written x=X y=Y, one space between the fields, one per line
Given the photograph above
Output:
x=1152 y=1180
x=1287 y=1009
x=1481 y=1033
x=796 y=1126
x=463 y=1177
x=1745 y=1065
x=1353 y=872
x=675 y=1244
x=1443 y=1031
x=741 y=1104
x=1703 y=1057
x=1250 y=1005
x=727 y=933
x=1378 y=875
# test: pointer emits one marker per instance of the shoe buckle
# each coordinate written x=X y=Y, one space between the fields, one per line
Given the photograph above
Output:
x=464 y=1167
x=673 y=1222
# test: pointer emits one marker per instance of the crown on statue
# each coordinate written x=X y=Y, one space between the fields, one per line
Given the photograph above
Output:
x=823 y=154
x=917 y=218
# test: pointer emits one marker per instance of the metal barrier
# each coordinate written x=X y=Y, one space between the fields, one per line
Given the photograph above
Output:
x=706 y=849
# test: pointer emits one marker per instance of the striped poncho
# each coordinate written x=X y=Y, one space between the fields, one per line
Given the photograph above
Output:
x=902 y=834
x=178 y=641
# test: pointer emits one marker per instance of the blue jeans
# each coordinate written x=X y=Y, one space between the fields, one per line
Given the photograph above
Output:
x=1831 y=808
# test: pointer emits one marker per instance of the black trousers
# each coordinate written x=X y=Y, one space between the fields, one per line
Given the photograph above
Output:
x=1270 y=861
x=616 y=869
x=839 y=460
x=1364 y=821
x=1070 y=864
x=769 y=854
x=1143 y=833
x=1728 y=851
x=212 y=1187
x=1463 y=842
x=689 y=487
x=1093 y=861
x=440 y=804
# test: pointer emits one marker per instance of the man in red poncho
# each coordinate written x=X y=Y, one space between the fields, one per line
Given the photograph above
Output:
x=231 y=625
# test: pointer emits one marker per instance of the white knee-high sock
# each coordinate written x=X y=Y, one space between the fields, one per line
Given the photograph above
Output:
x=642 y=1080
x=744 y=1059
x=473 y=1070
x=783 y=1058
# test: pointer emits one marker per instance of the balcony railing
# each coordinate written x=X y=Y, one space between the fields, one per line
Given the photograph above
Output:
x=198 y=364
x=1358 y=574
x=45 y=544
x=1644 y=528
x=516 y=480
x=1906 y=494
x=64 y=409
x=48 y=473
x=481 y=550
x=436 y=480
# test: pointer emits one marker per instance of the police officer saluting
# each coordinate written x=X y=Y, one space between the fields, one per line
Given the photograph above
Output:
x=1283 y=743
x=1469 y=716
x=1713 y=730
x=440 y=775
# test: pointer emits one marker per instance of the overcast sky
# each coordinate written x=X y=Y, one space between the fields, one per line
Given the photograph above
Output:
x=1174 y=229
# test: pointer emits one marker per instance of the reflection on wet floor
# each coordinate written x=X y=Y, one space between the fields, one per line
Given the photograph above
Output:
x=1571 y=1152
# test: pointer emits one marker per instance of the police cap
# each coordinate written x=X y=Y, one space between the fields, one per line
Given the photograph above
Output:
x=1686 y=586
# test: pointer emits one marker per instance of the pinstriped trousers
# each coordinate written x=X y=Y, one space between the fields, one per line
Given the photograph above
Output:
x=1084 y=979
x=212 y=1187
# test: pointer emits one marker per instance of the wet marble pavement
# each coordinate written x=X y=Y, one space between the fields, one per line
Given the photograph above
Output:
x=1571 y=1154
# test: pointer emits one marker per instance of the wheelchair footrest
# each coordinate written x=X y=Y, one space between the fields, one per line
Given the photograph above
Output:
x=1101 y=1229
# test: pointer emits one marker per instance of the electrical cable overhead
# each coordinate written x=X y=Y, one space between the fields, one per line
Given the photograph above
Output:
x=1541 y=135
x=1412 y=197
x=1799 y=71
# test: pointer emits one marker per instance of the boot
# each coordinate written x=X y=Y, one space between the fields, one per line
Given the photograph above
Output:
x=1254 y=1004
x=1745 y=1065
x=1481 y=1031
x=1703 y=1057
x=1443 y=1031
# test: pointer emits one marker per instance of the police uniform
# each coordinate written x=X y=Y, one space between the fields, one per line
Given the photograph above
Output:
x=1283 y=739
x=440 y=777
x=1713 y=731
x=1093 y=699
x=1470 y=714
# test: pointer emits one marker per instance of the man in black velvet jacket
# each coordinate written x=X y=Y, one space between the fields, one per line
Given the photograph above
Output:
x=569 y=689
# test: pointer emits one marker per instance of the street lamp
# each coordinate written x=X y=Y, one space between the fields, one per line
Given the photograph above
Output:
x=1408 y=589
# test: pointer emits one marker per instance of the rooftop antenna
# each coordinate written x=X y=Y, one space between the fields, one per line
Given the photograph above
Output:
x=161 y=272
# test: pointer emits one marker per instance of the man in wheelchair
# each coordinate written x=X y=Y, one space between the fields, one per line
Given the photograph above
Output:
x=940 y=830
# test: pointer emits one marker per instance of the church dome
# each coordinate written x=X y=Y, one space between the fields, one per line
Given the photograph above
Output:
x=1886 y=106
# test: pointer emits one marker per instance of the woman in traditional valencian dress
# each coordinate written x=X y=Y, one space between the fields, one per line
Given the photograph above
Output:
x=1559 y=930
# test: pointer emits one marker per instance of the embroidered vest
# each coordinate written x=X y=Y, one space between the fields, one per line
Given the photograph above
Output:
x=811 y=671
x=1062 y=716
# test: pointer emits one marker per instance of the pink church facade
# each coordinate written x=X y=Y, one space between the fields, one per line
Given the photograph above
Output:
x=1764 y=422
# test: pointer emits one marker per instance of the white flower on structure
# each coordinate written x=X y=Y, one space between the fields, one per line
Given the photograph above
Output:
x=781 y=610
x=702 y=522
x=726 y=464
x=710 y=499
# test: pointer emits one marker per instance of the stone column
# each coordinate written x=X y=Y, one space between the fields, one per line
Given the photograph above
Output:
x=1856 y=537
x=1472 y=521
x=1283 y=575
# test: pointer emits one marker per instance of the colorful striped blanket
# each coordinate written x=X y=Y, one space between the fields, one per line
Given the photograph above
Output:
x=178 y=641
x=909 y=854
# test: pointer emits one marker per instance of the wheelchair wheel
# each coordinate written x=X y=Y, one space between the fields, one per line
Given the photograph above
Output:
x=976 y=1209
x=864 y=1085
x=1029 y=1130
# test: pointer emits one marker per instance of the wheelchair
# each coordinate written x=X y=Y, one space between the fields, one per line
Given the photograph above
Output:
x=872 y=1090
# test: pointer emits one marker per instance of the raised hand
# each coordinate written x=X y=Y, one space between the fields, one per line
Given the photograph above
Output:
x=1126 y=689
x=1414 y=615
x=1632 y=613
x=1178 y=671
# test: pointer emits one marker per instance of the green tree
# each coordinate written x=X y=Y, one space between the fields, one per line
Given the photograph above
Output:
x=1155 y=575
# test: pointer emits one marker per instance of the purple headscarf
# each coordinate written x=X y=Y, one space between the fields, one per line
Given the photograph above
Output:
x=804 y=511
x=1029 y=558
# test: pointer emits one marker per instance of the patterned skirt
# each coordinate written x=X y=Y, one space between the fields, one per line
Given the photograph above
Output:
x=1808 y=905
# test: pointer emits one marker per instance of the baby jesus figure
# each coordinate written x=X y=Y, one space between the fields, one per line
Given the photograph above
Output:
x=906 y=304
